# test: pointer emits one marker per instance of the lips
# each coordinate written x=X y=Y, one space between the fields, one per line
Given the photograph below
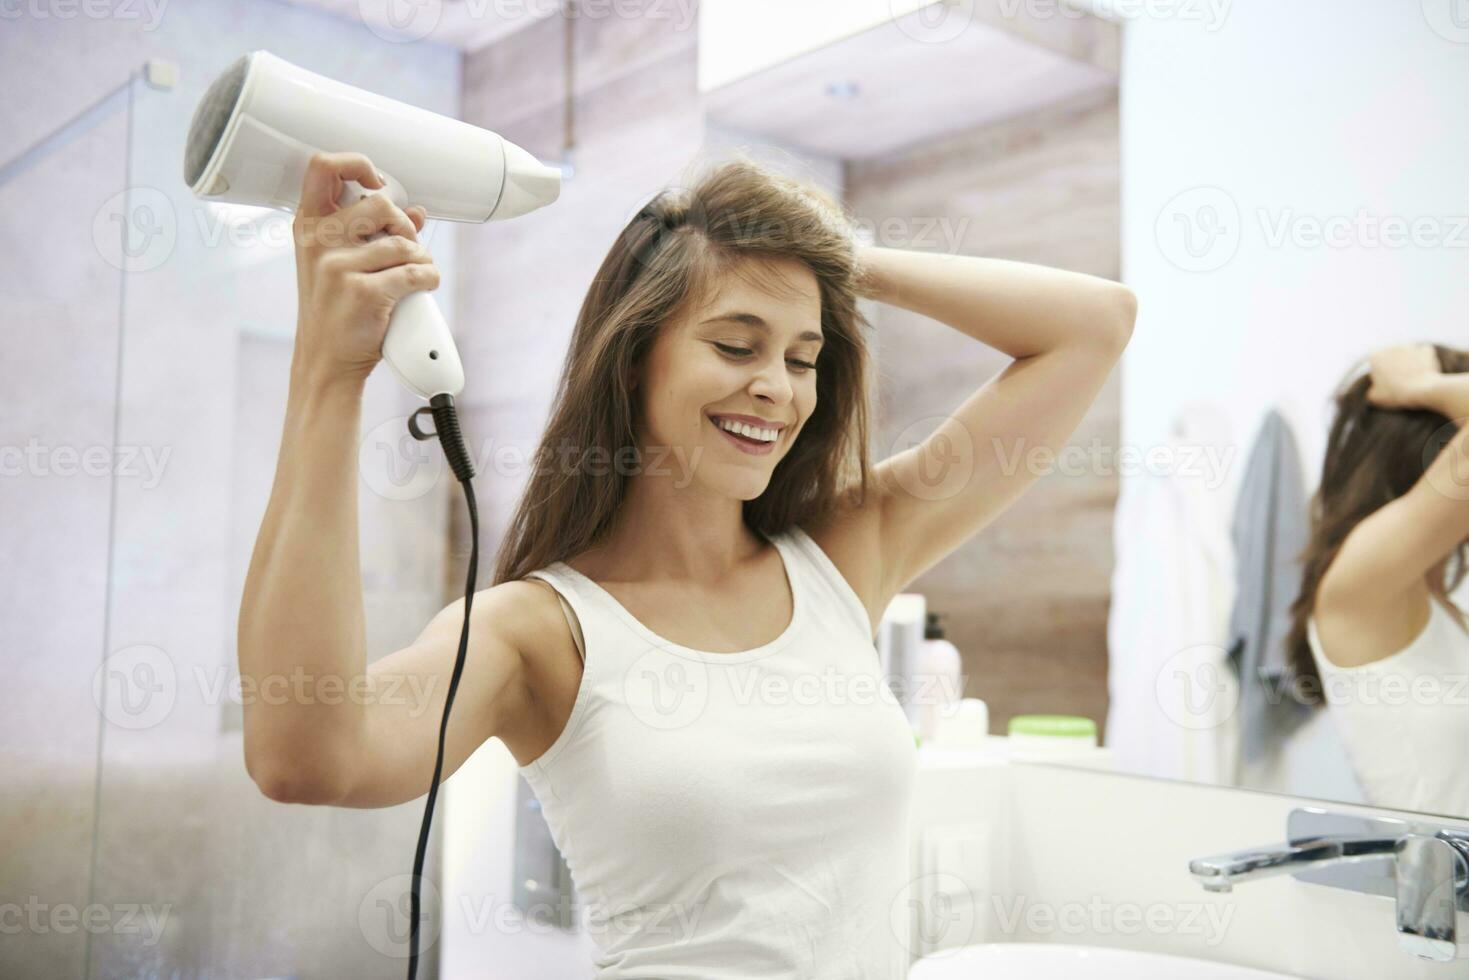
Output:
x=751 y=420
x=752 y=446
x=754 y=421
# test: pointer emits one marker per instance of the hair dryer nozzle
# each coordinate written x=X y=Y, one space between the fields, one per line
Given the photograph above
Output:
x=529 y=183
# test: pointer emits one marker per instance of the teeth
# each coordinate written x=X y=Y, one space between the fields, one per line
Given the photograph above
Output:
x=748 y=431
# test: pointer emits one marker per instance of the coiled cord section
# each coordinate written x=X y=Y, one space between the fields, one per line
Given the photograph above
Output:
x=446 y=430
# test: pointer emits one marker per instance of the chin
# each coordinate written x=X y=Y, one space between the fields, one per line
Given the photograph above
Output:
x=745 y=486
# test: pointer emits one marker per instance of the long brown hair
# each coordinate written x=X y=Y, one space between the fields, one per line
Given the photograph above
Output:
x=669 y=257
x=1373 y=456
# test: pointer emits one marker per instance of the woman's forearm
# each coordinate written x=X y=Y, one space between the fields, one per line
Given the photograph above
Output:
x=1448 y=394
x=1016 y=307
x=302 y=642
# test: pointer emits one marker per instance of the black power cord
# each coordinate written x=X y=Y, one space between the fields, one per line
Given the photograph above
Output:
x=446 y=430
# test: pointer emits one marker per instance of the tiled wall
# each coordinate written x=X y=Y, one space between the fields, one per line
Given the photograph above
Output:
x=1026 y=599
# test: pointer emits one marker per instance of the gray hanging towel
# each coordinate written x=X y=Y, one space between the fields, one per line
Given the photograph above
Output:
x=1271 y=527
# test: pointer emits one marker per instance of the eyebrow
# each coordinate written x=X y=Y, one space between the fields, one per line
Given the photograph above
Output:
x=751 y=320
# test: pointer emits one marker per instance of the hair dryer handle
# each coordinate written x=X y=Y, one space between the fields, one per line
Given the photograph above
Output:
x=420 y=349
x=417 y=346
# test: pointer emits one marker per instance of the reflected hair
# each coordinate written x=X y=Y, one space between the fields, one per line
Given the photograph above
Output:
x=1374 y=455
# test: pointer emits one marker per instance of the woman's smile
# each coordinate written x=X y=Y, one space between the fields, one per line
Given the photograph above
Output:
x=753 y=446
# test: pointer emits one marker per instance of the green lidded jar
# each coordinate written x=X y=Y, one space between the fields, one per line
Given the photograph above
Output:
x=1052 y=736
x=1054 y=726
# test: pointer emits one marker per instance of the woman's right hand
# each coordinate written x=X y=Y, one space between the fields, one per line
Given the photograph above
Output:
x=348 y=285
x=1403 y=376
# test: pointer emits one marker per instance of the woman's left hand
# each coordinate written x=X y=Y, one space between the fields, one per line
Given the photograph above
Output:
x=1403 y=375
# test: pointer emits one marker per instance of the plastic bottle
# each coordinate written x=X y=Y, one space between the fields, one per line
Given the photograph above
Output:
x=939 y=677
x=899 y=647
x=965 y=728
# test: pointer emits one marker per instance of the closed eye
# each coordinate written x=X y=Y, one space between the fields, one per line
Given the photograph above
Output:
x=745 y=352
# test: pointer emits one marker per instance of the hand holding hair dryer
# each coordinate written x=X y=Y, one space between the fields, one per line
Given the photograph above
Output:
x=251 y=140
x=258 y=124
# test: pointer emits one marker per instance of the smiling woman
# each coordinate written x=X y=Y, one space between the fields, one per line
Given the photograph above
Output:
x=647 y=625
x=722 y=331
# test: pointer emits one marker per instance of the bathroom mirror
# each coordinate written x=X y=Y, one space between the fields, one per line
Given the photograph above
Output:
x=1279 y=187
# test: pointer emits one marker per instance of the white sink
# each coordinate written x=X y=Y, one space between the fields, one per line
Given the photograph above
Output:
x=1056 y=961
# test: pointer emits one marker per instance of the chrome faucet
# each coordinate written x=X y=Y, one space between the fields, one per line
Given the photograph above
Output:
x=1220 y=872
x=1425 y=867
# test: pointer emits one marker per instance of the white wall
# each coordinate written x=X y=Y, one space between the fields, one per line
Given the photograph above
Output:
x=1309 y=111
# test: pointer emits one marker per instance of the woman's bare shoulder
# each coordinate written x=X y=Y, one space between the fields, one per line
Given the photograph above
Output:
x=851 y=539
x=1355 y=633
x=551 y=665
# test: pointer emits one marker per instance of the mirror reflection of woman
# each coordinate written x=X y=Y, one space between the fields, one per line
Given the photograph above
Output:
x=1376 y=634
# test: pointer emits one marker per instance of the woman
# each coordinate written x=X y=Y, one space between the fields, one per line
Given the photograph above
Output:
x=1374 y=628
x=703 y=539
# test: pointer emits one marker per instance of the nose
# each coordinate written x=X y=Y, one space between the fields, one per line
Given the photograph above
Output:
x=771 y=385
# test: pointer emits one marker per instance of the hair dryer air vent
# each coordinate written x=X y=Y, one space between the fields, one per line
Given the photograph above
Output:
x=210 y=118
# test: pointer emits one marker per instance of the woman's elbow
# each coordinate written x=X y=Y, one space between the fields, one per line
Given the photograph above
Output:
x=286 y=786
x=1124 y=315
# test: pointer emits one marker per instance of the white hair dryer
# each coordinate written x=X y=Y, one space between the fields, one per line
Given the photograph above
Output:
x=257 y=126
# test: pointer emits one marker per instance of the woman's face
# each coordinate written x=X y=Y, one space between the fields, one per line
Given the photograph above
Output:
x=746 y=352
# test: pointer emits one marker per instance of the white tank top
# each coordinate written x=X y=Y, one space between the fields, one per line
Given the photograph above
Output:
x=735 y=815
x=1405 y=719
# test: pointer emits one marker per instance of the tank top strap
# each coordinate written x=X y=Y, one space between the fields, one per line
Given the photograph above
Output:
x=835 y=592
x=575 y=605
